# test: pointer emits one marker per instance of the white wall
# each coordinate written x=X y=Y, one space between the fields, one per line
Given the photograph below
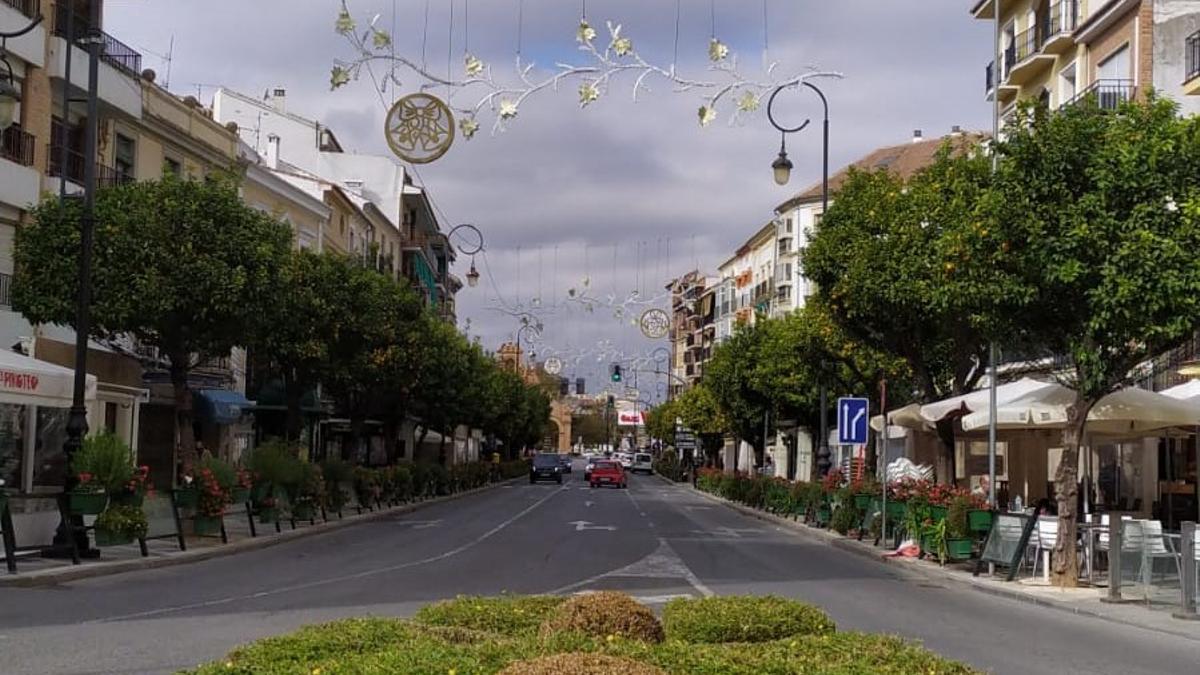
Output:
x=1174 y=21
x=258 y=120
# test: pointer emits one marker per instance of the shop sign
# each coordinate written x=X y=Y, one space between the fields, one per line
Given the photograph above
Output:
x=18 y=381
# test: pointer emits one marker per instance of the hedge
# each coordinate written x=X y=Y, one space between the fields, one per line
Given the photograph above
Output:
x=488 y=635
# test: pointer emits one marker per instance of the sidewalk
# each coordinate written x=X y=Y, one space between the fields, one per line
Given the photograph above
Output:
x=33 y=570
x=1079 y=601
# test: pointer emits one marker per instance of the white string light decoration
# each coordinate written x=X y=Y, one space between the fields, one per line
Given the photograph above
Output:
x=728 y=86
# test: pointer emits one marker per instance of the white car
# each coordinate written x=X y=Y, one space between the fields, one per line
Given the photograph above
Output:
x=642 y=461
x=625 y=459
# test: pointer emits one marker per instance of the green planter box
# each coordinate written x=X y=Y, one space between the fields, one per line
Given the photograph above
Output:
x=896 y=510
x=938 y=512
x=862 y=502
x=186 y=498
x=979 y=521
x=929 y=546
x=241 y=495
x=206 y=526
x=108 y=538
x=129 y=499
x=958 y=549
x=824 y=515
x=87 y=503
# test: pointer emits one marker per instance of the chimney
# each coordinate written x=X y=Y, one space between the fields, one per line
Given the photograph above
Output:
x=273 y=151
x=956 y=130
x=917 y=136
x=278 y=99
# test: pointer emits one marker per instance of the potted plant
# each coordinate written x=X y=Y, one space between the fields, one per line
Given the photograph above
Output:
x=275 y=467
x=307 y=493
x=243 y=482
x=864 y=490
x=88 y=497
x=103 y=467
x=120 y=524
x=338 y=475
x=211 y=500
x=957 y=528
x=366 y=486
x=979 y=515
x=136 y=489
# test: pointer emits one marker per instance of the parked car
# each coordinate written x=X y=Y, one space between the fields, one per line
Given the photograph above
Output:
x=545 y=466
x=565 y=462
x=607 y=472
x=642 y=461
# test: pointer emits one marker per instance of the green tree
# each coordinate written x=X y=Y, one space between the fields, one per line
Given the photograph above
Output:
x=732 y=375
x=179 y=265
x=1097 y=213
x=700 y=411
x=879 y=260
x=660 y=421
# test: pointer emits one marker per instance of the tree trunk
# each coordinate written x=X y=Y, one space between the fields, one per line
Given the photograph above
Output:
x=185 y=434
x=442 y=450
x=1066 y=488
x=945 y=432
x=293 y=392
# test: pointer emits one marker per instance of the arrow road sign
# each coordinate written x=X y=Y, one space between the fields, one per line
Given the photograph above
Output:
x=581 y=525
x=852 y=421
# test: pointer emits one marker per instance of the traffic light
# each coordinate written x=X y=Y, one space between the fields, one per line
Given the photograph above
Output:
x=564 y=387
x=616 y=372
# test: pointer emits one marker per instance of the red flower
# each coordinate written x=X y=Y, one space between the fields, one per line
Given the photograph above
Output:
x=85 y=477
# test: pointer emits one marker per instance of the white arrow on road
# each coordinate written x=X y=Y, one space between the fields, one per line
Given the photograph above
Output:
x=588 y=504
x=581 y=525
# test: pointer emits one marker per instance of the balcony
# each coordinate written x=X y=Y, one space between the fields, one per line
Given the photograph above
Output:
x=1024 y=58
x=1191 y=64
x=26 y=7
x=112 y=51
x=17 y=146
x=5 y=290
x=989 y=78
x=1058 y=27
x=106 y=176
x=1107 y=94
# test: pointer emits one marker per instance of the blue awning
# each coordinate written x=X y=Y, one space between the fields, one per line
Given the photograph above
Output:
x=221 y=406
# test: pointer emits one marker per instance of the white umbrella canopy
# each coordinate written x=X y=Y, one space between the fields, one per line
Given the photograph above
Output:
x=1187 y=391
x=1130 y=411
x=28 y=381
x=908 y=417
x=979 y=399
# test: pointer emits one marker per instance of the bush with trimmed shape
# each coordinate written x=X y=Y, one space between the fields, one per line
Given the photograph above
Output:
x=603 y=614
x=742 y=619
x=581 y=664
x=503 y=615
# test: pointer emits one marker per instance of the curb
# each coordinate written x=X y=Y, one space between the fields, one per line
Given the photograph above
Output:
x=103 y=569
x=922 y=572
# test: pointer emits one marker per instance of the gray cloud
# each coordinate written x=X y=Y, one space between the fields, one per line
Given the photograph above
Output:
x=642 y=176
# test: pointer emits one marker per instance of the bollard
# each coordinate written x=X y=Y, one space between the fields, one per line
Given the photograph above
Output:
x=1116 y=531
x=1187 y=573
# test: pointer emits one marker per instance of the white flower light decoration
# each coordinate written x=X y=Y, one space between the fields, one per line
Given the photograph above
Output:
x=585 y=34
x=621 y=46
x=508 y=109
x=588 y=93
x=717 y=50
x=748 y=103
x=472 y=65
x=707 y=115
x=468 y=126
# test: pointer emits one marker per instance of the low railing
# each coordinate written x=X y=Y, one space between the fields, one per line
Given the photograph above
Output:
x=16 y=145
x=1060 y=21
x=1191 y=60
x=112 y=51
x=1108 y=94
x=989 y=77
x=1026 y=44
x=106 y=176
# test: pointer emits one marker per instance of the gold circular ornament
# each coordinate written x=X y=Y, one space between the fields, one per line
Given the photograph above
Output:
x=655 y=323
x=419 y=128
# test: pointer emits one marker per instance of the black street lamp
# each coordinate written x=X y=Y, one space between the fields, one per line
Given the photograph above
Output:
x=9 y=95
x=782 y=168
x=471 y=250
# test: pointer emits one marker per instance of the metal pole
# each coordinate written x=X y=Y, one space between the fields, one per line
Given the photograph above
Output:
x=882 y=458
x=766 y=419
x=992 y=426
x=823 y=442
x=1116 y=532
x=1187 y=572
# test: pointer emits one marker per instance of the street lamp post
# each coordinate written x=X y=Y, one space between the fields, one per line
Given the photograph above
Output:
x=473 y=275
x=9 y=95
x=782 y=168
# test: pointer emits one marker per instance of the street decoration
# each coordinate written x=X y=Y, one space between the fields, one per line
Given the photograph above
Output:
x=655 y=323
x=603 y=59
x=419 y=128
x=553 y=365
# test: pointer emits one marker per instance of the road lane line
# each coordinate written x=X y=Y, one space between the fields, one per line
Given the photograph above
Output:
x=331 y=580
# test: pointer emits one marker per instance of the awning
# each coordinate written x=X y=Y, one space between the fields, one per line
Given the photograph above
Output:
x=908 y=417
x=1128 y=412
x=979 y=399
x=28 y=381
x=221 y=406
x=1188 y=391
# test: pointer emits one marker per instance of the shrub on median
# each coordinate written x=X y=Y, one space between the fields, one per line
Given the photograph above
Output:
x=742 y=619
x=504 y=615
x=581 y=664
x=603 y=614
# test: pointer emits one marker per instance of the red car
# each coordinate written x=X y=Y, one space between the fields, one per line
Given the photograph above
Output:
x=607 y=472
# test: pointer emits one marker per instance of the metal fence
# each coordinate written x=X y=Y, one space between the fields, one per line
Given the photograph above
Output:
x=112 y=51
x=16 y=145
x=1191 y=50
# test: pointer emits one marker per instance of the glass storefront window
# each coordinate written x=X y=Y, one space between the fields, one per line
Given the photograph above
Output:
x=12 y=444
x=49 y=463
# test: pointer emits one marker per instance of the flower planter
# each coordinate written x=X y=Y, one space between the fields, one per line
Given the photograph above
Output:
x=896 y=510
x=929 y=546
x=110 y=538
x=958 y=549
x=938 y=513
x=824 y=515
x=186 y=498
x=862 y=502
x=241 y=495
x=979 y=520
x=206 y=526
x=87 y=503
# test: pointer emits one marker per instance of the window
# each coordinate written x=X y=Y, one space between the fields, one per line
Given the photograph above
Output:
x=1115 y=66
x=173 y=167
x=1067 y=84
x=124 y=159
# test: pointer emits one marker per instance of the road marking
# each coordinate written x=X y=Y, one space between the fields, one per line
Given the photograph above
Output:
x=649 y=599
x=419 y=524
x=589 y=504
x=663 y=562
x=584 y=525
x=332 y=580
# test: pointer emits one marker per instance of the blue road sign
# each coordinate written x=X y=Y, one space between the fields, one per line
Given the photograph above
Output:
x=852 y=421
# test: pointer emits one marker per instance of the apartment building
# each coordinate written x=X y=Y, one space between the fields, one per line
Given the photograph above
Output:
x=691 y=334
x=1059 y=51
x=749 y=279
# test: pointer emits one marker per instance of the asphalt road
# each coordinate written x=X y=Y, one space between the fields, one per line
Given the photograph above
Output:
x=653 y=540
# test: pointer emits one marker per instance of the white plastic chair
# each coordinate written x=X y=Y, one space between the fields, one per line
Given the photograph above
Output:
x=1155 y=547
x=1047 y=536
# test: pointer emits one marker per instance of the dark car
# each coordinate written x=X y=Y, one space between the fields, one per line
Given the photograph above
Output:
x=545 y=467
x=564 y=461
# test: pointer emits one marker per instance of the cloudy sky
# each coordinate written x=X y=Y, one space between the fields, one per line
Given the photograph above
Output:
x=625 y=194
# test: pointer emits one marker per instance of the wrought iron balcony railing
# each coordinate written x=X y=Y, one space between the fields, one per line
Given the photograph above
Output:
x=112 y=51
x=1108 y=94
x=1191 y=57
x=16 y=145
